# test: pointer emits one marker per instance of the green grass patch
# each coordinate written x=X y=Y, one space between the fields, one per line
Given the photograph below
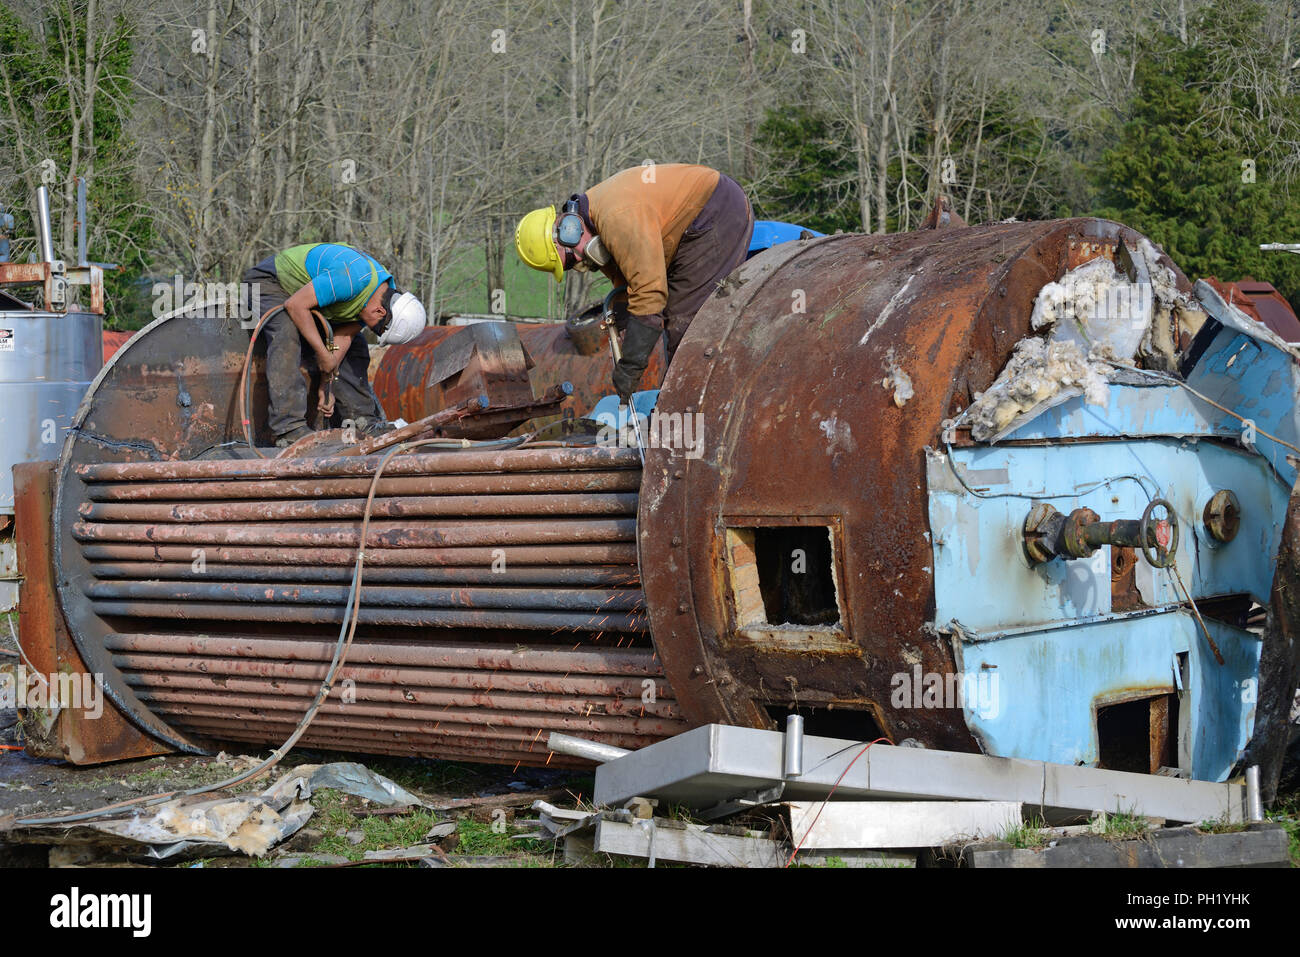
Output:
x=1120 y=825
x=1027 y=835
x=338 y=814
x=1286 y=812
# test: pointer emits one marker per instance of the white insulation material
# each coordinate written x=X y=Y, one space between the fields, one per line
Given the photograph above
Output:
x=1091 y=319
x=1037 y=371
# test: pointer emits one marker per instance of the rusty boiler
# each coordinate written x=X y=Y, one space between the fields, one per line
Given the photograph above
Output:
x=908 y=486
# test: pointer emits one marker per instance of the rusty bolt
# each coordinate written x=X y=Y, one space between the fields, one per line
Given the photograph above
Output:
x=1222 y=515
x=697 y=671
x=1072 y=536
x=677 y=540
x=708 y=353
x=681 y=607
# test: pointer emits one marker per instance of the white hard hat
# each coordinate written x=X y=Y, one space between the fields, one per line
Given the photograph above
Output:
x=408 y=319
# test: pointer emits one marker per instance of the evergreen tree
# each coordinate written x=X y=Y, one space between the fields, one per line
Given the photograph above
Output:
x=38 y=66
x=1197 y=166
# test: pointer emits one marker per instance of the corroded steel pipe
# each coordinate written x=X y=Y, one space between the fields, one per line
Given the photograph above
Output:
x=372 y=596
x=411 y=700
x=182 y=571
x=595 y=553
x=451 y=462
x=465 y=735
x=333 y=615
x=325 y=509
x=473 y=715
x=501 y=596
x=625 y=480
x=381 y=534
x=400 y=743
x=464 y=658
x=385 y=679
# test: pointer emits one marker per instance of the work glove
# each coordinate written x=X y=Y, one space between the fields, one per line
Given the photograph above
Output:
x=621 y=316
x=638 y=342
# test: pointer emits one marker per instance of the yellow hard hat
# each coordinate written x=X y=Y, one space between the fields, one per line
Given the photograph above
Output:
x=535 y=243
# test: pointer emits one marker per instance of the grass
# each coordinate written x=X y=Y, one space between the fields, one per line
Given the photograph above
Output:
x=1286 y=812
x=1028 y=834
x=1120 y=825
x=464 y=285
x=337 y=814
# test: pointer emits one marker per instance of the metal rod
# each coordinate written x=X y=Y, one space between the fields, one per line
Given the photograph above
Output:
x=594 y=553
x=496 y=717
x=397 y=743
x=623 y=480
x=332 y=615
x=793 y=745
x=613 y=575
x=467 y=657
x=593 y=600
x=624 y=503
x=436 y=463
x=382 y=535
x=582 y=748
x=622 y=692
x=213 y=716
x=44 y=230
x=1254 y=796
x=416 y=702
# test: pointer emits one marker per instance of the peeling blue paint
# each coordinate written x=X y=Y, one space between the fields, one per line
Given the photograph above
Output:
x=1048 y=631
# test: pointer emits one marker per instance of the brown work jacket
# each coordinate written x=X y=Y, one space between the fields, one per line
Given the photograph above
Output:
x=640 y=215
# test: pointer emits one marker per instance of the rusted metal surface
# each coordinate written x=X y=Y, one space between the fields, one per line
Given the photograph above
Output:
x=799 y=431
x=77 y=735
x=160 y=607
x=113 y=341
x=502 y=597
x=1263 y=303
x=1222 y=515
x=55 y=284
x=402 y=381
x=539 y=482
x=1279 y=663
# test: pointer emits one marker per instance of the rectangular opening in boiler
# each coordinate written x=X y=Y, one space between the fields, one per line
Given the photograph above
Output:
x=853 y=724
x=783 y=576
x=1139 y=735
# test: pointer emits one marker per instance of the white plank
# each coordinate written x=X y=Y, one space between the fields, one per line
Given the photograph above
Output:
x=884 y=824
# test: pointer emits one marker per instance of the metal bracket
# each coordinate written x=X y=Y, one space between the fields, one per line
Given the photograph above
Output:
x=746 y=801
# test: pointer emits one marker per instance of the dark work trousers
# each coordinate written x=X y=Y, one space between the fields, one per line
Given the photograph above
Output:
x=714 y=244
x=288 y=354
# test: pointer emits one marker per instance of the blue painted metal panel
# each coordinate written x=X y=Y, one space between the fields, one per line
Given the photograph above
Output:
x=1047 y=631
x=983 y=579
x=770 y=232
x=1260 y=383
x=1131 y=412
x=1042 y=703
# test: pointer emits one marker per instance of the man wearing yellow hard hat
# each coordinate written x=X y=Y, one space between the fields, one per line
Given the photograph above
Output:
x=670 y=233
